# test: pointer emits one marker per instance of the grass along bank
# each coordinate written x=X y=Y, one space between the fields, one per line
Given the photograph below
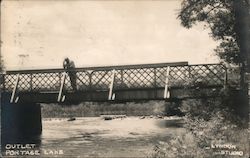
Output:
x=90 y=109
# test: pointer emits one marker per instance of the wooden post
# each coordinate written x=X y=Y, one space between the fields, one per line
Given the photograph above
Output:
x=13 y=95
x=31 y=86
x=111 y=95
x=122 y=81
x=90 y=80
x=155 y=83
x=189 y=72
x=166 y=91
x=155 y=77
x=60 y=97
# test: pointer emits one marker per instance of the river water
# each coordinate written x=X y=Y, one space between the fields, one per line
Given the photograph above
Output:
x=95 y=137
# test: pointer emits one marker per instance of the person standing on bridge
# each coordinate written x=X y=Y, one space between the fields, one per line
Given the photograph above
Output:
x=69 y=67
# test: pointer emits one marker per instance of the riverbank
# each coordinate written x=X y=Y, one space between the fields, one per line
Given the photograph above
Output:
x=215 y=129
x=91 y=109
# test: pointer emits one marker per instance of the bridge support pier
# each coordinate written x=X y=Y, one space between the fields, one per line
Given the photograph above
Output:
x=20 y=122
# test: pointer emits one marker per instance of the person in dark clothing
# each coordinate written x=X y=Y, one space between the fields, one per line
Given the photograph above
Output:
x=69 y=67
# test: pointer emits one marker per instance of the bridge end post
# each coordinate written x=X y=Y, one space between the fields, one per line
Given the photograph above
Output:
x=20 y=122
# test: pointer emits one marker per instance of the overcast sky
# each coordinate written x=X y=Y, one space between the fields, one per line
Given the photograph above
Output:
x=40 y=34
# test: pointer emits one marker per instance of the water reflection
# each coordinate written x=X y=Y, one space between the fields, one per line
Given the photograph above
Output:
x=174 y=122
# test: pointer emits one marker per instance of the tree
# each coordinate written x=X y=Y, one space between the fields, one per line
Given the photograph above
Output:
x=229 y=23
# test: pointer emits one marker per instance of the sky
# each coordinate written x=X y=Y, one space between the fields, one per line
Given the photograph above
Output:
x=40 y=34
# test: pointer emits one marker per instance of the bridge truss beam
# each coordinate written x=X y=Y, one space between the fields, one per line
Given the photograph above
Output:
x=153 y=81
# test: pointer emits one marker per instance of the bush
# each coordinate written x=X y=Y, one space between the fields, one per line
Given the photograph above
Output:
x=208 y=122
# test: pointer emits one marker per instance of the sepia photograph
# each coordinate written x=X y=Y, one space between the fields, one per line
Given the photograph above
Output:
x=125 y=78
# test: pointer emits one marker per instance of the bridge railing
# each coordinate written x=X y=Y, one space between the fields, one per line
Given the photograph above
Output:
x=123 y=77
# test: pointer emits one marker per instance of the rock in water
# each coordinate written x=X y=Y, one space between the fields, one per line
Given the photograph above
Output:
x=72 y=119
x=142 y=117
x=108 y=118
x=159 y=117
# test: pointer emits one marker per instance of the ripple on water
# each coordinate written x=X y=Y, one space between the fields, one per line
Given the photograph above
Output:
x=96 y=137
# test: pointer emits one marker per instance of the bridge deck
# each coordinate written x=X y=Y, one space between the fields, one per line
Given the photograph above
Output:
x=128 y=82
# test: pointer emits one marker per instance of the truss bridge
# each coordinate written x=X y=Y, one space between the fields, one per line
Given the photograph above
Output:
x=161 y=81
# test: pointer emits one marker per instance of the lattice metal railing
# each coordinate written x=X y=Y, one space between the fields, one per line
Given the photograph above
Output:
x=139 y=77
